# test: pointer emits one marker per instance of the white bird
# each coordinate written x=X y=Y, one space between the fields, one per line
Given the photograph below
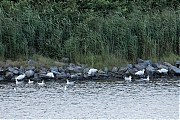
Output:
x=64 y=88
x=14 y=90
x=92 y=71
x=20 y=77
x=18 y=82
x=162 y=70
x=128 y=78
x=42 y=83
x=146 y=79
x=140 y=72
x=30 y=82
x=50 y=74
x=69 y=83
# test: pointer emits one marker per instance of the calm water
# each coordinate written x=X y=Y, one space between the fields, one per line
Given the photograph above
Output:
x=92 y=100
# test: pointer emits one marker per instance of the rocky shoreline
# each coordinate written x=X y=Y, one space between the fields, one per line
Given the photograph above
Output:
x=80 y=72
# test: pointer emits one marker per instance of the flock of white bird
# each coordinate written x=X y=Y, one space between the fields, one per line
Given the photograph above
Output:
x=141 y=73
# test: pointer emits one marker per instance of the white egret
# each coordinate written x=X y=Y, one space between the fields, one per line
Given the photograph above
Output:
x=92 y=71
x=146 y=79
x=20 y=77
x=162 y=70
x=42 y=83
x=69 y=83
x=128 y=78
x=50 y=74
x=140 y=72
x=30 y=82
x=18 y=82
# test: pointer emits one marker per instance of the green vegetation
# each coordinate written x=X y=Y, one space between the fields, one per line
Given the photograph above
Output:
x=96 y=32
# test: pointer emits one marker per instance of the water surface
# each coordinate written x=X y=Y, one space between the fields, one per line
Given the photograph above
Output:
x=91 y=100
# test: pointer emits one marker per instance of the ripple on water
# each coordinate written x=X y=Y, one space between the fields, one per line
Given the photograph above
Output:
x=91 y=99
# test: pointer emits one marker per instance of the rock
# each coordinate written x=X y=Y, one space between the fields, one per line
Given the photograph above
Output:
x=78 y=69
x=177 y=63
x=61 y=75
x=150 y=70
x=10 y=69
x=30 y=68
x=54 y=68
x=130 y=66
x=30 y=62
x=9 y=75
x=2 y=71
x=122 y=70
x=29 y=73
x=21 y=69
x=106 y=70
x=61 y=69
x=66 y=60
x=16 y=72
x=148 y=62
x=114 y=69
x=159 y=66
x=138 y=60
x=167 y=64
x=1 y=78
x=140 y=66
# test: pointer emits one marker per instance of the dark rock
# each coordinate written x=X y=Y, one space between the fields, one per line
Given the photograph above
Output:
x=140 y=66
x=10 y=69
x=1 y=78
x=115 y=69
x=30 y=68
x=177 y=63
x=150 y=70
x=16 y=72
x=78 y=69
x=148 y=62
x=61 y=75
x=138 y=60
x=29 y=73
x=61 y=69
x=9 y=75
x=54 y=68
x=30 y=62
x=130 y=66
x=2 y=71
x=106 y=70
x=22 y=69
x=122 y=70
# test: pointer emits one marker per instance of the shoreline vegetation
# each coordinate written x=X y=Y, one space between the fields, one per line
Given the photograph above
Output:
x=98 y=33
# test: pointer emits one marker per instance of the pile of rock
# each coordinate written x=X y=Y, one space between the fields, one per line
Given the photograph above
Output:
x=80 y=72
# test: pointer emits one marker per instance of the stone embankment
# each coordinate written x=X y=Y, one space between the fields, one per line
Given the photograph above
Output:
x=80 y=72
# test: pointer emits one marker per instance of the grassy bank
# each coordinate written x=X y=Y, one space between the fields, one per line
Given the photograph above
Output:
x=96 y=36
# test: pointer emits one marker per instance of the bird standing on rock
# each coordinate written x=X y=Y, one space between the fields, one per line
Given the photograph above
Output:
x=141 y=72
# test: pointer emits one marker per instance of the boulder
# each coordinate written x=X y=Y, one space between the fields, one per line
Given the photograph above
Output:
x=9 y=75
x=54 y=68
x=115 y=69
x=29 y=73
x=140 y=66
x=177 y=63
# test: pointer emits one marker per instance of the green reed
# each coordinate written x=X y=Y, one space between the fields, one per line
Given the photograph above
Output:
x=87 y=37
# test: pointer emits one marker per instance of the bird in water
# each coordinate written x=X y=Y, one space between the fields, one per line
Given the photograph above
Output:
x=30 y=82
x=128 y=78
x=42 y=83
x=146 y=79
x=163 y=70
x=69 y=83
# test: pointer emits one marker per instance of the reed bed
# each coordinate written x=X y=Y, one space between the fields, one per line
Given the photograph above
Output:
x=87 y=37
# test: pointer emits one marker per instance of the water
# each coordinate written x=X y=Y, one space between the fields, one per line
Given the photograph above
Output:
x=91 y=100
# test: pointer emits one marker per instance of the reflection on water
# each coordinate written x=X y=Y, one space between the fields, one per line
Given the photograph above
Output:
x=91 y=99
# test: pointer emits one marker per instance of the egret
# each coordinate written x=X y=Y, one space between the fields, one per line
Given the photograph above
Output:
x=128 y=78
x=92 y=71
x=42 y=83
x=30 y=82
x=146 y=79
x=140 y=72
x=50 y=74
x=69 y=83
x=64 y=88
x=18 y=82
x=20 y=77
x=162 y=70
